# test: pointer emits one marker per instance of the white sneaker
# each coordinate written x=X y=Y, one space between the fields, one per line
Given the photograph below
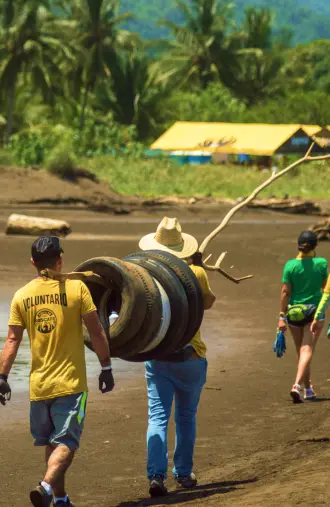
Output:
x=309 y=393
x=295 y=394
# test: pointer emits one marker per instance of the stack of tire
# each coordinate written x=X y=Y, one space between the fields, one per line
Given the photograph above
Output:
x=158 y=300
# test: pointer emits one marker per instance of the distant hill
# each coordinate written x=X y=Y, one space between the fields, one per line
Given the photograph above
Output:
x=309 y=19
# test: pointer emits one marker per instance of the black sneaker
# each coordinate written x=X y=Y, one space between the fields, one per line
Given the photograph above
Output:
x=40 y=498
x=157 y=486
x=61 y=503
x=186 y=481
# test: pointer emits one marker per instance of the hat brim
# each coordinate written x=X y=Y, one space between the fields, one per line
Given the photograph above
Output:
x=186 y=249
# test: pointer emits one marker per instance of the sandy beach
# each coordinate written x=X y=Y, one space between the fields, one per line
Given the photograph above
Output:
x=254 y=447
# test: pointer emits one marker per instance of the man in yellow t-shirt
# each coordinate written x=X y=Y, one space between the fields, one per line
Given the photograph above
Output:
x=181 y=378
x=52 y=313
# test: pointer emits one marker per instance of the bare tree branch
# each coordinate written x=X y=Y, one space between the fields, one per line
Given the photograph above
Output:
x=275 y=176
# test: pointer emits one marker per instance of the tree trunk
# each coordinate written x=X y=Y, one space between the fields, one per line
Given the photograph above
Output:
x=11 y=109
x=205 y=74
x=83 y=111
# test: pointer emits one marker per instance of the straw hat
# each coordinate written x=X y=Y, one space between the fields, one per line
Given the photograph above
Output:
x=169 y=237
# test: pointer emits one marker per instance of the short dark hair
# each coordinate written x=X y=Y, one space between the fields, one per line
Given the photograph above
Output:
x=46 y=251
x=47 y=263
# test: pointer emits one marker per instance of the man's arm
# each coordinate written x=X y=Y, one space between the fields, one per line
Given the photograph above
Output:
x=9 y=353
x=284 y=303
x=101 y=347
x=208 y=295
x=209 y=300
x=98 y=338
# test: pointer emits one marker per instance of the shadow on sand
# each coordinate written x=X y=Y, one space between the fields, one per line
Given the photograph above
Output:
x=181 y=496
x=320 y=400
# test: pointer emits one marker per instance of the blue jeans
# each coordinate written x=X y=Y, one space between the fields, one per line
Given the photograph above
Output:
x=183 y=382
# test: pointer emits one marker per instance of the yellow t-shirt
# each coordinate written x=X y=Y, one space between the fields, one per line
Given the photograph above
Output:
x=200 y=273
x=51 y=311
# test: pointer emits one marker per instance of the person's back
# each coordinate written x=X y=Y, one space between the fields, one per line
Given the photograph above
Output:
x=52 y=311
x=303 y=280
x=306 y=276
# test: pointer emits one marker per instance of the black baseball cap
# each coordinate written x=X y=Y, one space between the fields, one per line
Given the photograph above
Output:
x=46 y=247
x=307 y=238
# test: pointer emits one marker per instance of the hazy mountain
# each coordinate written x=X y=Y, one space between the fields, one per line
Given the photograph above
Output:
x=308 y=19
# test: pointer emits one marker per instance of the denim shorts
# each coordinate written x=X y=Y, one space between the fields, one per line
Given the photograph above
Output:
x=58 y=421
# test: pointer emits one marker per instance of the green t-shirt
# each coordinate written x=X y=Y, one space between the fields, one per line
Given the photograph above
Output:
x=306 y=277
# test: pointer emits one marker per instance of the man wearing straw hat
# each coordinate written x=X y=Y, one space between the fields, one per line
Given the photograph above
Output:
x=181 y=380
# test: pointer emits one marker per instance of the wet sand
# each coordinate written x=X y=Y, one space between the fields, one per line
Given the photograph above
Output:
x=254 y=447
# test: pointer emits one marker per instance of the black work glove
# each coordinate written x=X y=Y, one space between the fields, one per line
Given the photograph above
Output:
x=5 y=391
x=197 y=259
x=107 y=379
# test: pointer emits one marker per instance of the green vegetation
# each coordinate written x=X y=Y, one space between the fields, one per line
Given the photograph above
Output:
x=78 y=82
x=152 y=178
x=62 y=162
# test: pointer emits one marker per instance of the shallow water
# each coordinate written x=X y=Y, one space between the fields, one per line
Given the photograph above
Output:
x=19 y=376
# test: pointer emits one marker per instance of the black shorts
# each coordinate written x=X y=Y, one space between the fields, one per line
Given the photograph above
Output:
x=302 y=323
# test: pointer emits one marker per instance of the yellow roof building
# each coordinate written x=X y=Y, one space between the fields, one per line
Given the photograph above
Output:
x=235 y=138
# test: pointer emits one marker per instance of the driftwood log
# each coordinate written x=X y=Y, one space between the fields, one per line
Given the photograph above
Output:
x=287 y=205
x=35 y=226
x=322 y=230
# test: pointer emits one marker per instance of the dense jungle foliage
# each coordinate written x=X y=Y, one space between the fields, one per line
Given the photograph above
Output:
x=77 y=81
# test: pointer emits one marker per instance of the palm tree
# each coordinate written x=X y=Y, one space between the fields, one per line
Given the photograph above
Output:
x=257 y=77
x=7 y=12
x=97 y=35
x=204 y=31
x=30 y=48
x=135 y=92
x=252 y=75
x=258 y=28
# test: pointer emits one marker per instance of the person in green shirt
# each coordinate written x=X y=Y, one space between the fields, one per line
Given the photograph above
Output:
x=303 y=281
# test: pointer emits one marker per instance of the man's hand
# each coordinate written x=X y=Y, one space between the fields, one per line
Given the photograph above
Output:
x=316 y=326
x=282 y=325
x=5 y=391
x=106 y=379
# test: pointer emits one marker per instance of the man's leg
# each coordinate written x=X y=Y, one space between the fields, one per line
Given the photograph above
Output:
x=58 y=462
x=41 y=429
x=192 y=377
x=160 y=398
x=67 y=414
x=59 y=486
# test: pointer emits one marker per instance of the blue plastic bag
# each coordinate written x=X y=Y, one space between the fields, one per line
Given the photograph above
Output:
x=279 y=344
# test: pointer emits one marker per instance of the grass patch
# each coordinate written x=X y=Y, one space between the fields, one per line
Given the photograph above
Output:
x=6 y=158
x=154 y=177
x=62 y=163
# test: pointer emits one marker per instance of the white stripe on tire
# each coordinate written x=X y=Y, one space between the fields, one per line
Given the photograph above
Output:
x=165 y=322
